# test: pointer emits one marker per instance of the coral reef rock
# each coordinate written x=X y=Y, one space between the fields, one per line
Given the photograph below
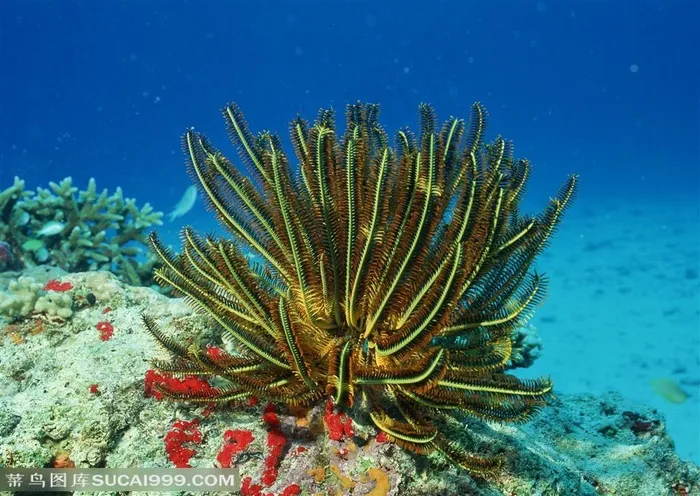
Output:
x=75 y=391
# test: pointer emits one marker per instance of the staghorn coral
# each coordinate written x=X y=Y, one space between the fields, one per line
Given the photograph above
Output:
x=393 y=279
x=78 y=230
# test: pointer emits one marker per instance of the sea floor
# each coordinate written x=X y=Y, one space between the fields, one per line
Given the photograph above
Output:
x=624 y=306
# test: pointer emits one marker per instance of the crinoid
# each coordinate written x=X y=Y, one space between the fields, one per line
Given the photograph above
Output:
x=389 y=276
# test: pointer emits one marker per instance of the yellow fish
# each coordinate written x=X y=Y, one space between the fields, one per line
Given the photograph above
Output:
x=669 y=390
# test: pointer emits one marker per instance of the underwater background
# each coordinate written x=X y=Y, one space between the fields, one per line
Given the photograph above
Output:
x=606 y=90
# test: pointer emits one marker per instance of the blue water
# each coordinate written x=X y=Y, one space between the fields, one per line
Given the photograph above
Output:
x=608 y=90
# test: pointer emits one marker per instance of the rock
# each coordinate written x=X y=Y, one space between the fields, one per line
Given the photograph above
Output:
x=69 y=396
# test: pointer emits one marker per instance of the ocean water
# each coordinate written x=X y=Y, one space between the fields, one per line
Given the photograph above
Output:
x=607 y=90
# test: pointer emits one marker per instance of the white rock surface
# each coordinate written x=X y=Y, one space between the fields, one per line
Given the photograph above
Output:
x=579 y=445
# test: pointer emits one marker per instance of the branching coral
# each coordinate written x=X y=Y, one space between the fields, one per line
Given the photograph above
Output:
x=78 y=230
x=395 y=276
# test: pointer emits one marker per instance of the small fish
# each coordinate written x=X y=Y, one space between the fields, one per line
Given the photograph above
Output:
x=32 y=245
x=21 y=218
x=669 y=390
x=185 y=204
x=51 y=228
x=42 y=255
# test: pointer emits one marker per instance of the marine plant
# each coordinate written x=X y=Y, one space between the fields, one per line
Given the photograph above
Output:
x=391 y=277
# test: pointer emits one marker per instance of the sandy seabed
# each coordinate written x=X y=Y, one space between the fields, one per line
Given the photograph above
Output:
x=624 y=306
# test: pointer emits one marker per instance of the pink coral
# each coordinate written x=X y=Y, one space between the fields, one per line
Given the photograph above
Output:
x=106 y=330
x=55 y=285
x=339 y=425
x=188 y=384
x=235 y=441
x=182 y=432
